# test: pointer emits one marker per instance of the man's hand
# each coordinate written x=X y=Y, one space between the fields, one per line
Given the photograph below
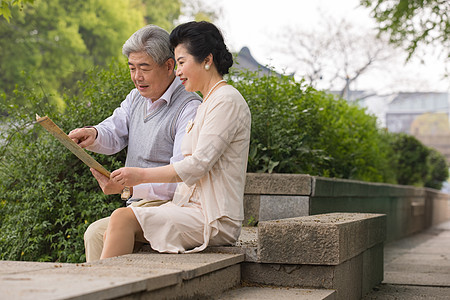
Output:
x=128 y=176
x=108 y=186
x=84 y=137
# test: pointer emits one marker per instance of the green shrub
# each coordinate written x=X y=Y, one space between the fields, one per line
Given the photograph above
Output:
x=48 y=196
x=416 y=164
x=297 y=129
x=437 y=170
x=411 y=159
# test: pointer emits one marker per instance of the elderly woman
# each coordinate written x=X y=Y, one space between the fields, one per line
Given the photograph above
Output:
x=207 y=208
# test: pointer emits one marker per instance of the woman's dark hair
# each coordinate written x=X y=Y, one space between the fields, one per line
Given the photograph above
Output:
x=201 y=39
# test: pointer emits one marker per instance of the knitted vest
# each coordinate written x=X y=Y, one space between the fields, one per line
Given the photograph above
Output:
x=151 y=137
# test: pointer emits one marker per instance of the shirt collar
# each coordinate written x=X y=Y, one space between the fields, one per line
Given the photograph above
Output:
x=167 y=96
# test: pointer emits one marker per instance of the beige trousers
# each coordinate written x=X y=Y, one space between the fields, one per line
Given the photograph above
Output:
x=93 y=237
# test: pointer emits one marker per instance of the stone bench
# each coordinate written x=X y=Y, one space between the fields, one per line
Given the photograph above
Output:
x=337 y=251
x=133 y=276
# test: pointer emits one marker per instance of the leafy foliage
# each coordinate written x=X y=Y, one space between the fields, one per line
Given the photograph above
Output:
x=48 y=196
x=55 y=42
x=413 y=22
x=437 y=170
x=162 y=12
x=412 y=167
x=297 y=129
x=5 y=7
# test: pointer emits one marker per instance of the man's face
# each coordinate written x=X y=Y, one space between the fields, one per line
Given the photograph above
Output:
x=150 y=79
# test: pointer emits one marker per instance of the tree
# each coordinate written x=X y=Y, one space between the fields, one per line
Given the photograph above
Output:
x=412 y=23
x=55 y=42
x=336 y=55
x=162 y=12
x=5 y=7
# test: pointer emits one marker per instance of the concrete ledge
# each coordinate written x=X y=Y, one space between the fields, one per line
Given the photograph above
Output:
x=278 y=184
x=332 y=187
x=169 y=276
x=327 y=239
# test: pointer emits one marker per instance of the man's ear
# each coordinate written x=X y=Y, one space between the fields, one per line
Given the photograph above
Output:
x=170 y=63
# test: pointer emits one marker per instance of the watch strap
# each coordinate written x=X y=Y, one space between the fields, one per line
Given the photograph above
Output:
x=126 y=193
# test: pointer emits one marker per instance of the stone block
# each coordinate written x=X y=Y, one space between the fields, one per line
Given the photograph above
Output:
x=327 y=239
x=246 y=244
x=373 y=267
x=251 y=210
x=278 y=184
x=376 y=230
x=273 y=207
x=266 y=293
x=344 y=278
x=207 y=286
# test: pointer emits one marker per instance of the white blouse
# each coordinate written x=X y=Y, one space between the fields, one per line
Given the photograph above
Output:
x=216 y=152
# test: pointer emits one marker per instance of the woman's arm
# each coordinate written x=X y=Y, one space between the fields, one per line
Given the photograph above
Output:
x=129 y=176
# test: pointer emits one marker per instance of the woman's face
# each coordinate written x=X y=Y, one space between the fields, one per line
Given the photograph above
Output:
x=188 y=69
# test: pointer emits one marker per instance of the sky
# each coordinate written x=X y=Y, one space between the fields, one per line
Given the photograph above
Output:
x=258 y=24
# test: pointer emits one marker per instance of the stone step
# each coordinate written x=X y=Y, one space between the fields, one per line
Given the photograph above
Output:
x=134 y=276
x=336 y=251
x=327 y=239
x=270 y=293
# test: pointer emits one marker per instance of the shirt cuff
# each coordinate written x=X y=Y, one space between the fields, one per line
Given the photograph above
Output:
x=139 y=192
x=182 y=170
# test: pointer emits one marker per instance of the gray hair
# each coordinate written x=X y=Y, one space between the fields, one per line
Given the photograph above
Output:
x=152 y=39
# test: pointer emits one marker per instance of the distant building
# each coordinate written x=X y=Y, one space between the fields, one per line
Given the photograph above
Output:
x=424 y=115
x=245 y=62
x=406 y=107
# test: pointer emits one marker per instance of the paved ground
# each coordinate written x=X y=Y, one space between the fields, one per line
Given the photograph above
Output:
x=417 y=267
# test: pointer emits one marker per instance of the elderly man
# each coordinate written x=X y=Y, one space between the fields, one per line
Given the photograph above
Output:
x=151 y=121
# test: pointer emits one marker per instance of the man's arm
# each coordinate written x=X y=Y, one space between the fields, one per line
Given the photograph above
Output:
x=112 y=133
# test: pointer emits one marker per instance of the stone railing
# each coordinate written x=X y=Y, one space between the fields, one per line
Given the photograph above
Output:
x=408 y=209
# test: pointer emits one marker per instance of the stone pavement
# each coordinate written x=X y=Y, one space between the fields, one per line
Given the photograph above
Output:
x=417 y=267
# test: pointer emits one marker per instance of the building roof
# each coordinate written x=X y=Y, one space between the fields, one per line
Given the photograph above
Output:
x=245 y=62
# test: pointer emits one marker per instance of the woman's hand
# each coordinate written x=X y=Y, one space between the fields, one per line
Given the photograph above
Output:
x=128 y=176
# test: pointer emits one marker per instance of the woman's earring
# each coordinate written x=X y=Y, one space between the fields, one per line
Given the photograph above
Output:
x=207 y=67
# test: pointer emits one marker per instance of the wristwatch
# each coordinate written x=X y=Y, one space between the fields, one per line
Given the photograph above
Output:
x=126 y=194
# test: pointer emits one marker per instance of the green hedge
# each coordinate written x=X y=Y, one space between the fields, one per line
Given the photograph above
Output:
x=297 y=129
x=416 y=164
x=48 y=197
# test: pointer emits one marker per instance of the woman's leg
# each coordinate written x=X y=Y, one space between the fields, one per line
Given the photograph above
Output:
x=122 y=233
